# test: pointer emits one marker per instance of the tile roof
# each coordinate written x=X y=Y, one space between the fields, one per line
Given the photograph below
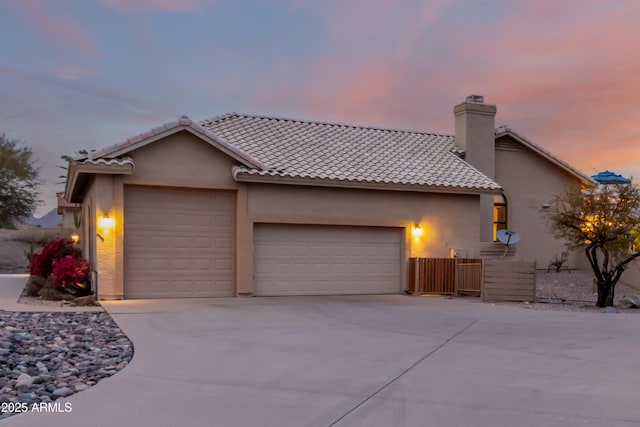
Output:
x=348 y=154
x=108 y=162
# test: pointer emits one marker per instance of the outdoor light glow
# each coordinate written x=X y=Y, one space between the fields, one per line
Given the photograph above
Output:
x=417 y=231
x=75 y=238
x=106 y=222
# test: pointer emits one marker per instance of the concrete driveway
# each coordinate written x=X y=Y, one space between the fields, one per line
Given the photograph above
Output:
x=363 y=361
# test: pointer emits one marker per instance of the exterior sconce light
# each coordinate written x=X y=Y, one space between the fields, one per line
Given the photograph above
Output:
x=75 y=238
x=106 y=222
x=105 y=225
x=417 y=231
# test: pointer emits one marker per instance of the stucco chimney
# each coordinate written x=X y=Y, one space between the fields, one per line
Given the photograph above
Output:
x=475 y=133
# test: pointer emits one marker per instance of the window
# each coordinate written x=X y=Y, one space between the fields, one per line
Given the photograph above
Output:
x=499 y=214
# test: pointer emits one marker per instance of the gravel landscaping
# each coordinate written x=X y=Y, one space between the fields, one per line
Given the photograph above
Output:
x=46 y=356
x=572 y=291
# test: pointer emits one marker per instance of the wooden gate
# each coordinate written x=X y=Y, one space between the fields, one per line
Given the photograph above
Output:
x=446 y=276
x=509 y=281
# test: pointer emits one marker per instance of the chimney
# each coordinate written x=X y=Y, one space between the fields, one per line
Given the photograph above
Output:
x=475 y=133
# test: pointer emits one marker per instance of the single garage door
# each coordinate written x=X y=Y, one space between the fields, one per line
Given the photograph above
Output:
x=326 y=260
x=178 y=243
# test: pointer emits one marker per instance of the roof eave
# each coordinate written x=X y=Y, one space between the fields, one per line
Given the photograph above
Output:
x=336 y=183
x=78 y=175
x=63 y=204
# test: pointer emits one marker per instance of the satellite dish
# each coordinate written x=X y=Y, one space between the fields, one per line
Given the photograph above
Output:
x=508 y=237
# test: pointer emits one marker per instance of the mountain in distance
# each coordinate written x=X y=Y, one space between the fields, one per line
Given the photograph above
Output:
x=50 y=219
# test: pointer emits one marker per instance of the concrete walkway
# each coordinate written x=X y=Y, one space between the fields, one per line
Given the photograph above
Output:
x=11 y=286
x=362 y=361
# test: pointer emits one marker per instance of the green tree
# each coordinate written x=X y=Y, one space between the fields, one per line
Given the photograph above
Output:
x=18 y=182
x=604 y=221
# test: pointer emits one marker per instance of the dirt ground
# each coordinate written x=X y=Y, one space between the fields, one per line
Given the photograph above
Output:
x=573 y=291
x=12 y=253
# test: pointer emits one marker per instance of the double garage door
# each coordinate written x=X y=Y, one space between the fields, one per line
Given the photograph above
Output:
x=326 y=260
x=180 y=243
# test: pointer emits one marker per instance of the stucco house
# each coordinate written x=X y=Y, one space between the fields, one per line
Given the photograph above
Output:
x=254 y=205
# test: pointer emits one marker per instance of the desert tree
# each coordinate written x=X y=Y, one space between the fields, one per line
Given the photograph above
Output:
x=604 y=221
x=18 y=181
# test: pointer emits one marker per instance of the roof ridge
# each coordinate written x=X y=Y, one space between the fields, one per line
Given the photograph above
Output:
x=319 y=122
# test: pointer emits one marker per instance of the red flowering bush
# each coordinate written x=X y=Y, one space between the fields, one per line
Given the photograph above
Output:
x=65 y=271
x=70 y=270
x=42 y=262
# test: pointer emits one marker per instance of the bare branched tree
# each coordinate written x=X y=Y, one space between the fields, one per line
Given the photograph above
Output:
x=604 y=221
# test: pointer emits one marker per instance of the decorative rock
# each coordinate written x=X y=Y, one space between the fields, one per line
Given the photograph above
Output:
x=24 y=380
x=80 y=387
x=63 y=392
x=46 y=356
x=610 y=309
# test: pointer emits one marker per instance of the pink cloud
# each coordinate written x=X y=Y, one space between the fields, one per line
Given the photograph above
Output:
x=565 y=77
x=368 y=76
x=128 y=7
x=578 y=78
x=57 y=27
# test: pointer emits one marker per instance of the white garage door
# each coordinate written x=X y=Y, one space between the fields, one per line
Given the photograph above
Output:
x=178 y=243
x=326 y=260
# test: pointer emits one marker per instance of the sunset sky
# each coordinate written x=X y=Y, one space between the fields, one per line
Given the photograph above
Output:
x=84 y=74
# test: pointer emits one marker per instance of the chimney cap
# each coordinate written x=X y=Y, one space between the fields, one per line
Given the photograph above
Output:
x=475 y=99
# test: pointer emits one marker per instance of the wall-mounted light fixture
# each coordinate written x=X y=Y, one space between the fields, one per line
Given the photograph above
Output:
x=417 y=231
x=75 y=238
x=106 y=222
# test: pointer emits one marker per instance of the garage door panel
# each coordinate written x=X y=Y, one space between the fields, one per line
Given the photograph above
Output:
x=178 y=242
x=223 y=242
x=180 y=264
x=181 y=242
x=202 y=264
x=320 y=260
x=200 y=220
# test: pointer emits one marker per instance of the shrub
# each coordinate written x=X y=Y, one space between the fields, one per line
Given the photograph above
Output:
x=70 y=269
x=65 y=270
x=42 y=262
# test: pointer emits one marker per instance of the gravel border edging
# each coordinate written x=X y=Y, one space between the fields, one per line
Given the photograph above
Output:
x=48 y=355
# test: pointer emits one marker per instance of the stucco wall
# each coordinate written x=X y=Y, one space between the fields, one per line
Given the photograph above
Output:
x=180 y=160
x=529 y=182
x=447 y=221
x=183 y=160
x=101 y=242
x=68 y=218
